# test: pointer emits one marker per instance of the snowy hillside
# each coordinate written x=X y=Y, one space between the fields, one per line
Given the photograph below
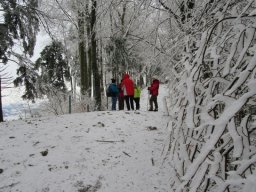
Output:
x=14 y=107
x=98 y=151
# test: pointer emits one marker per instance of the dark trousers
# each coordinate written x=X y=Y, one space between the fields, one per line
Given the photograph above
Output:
x=153 y=100
x=121 y=103
x=114 y=99
x=137 y=102
x=129 y=102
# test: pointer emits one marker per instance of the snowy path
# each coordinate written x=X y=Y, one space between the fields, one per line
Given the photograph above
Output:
x=98 y=151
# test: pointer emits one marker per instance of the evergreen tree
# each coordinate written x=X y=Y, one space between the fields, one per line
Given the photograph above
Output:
x=54 y=68
x=47 y=75
x=21 y=23
x=28 y=77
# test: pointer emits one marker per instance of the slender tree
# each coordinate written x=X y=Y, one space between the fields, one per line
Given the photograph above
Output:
x=95 y=67
x=5 y=81
x=83 y=58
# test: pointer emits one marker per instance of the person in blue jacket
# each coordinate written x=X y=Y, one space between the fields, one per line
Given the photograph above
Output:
x=113 y=92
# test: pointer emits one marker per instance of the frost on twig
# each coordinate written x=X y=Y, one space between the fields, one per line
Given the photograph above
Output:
x=212 y=105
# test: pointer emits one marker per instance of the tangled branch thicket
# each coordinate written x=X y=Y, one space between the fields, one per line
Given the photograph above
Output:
x=212 y=105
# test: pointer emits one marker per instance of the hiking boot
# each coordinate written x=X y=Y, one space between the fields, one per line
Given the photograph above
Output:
x=150 y=110
x=156 y=110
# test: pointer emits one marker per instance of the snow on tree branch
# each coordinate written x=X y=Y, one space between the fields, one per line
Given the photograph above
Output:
x=213 y=103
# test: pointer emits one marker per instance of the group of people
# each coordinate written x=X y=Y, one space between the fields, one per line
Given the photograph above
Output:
x=127 y=92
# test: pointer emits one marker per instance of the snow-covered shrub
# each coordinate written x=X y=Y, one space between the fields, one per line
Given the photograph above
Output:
x=58 y=103
x=213 y=89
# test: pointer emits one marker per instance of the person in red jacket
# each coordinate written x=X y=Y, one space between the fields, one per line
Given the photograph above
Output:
x=153 y=89
x=120 y=97
x=128 y=89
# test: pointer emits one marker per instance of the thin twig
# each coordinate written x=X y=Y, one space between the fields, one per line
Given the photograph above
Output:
x=127 y=154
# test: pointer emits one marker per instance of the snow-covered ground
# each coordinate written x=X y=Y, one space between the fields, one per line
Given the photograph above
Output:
x=107 y=151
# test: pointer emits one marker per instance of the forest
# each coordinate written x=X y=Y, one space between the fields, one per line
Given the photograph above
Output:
x=204 y=50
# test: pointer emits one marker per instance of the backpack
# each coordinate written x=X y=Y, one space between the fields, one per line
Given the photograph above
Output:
x=108 y=92
x=112 y=90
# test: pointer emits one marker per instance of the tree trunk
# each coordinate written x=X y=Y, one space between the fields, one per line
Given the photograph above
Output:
x=124 y=33
x=82 y=53
x=89 y=60
x=95 y=69
x=1 y=107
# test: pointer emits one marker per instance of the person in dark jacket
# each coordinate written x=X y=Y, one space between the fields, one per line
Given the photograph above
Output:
x=120 y=97
x=128 y=89
x=114 y=92
x=153 y=90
